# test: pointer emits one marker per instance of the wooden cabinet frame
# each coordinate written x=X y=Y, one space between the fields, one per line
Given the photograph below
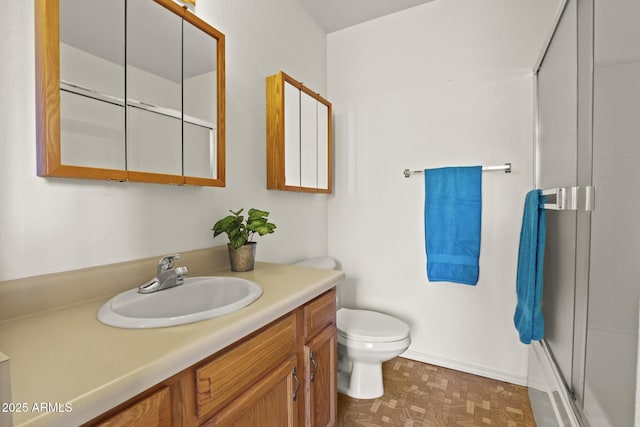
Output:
x=47 y=65
x=276 y=119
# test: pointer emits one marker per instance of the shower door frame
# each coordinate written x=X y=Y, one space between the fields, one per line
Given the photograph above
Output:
x=584 y=146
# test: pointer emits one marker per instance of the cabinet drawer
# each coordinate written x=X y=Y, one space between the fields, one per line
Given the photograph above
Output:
x=227 y=376
x=319 y=313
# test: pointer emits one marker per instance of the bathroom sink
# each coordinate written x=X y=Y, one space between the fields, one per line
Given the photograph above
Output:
x=199 y=298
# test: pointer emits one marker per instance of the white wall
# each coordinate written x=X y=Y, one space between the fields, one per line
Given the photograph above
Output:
x=446 y=83
x=49 y=225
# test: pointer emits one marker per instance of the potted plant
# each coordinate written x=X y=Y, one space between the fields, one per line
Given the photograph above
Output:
x=240 y=231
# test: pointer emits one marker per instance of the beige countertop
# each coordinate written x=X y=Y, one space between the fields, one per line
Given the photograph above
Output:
x=67 y=357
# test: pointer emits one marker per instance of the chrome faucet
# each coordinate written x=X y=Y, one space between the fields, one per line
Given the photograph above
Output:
x=166 y=276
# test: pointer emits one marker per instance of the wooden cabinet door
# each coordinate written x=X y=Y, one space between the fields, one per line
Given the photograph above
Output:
x=320 y=379
x=152 y=411
x=271 y=402
x=228 y=375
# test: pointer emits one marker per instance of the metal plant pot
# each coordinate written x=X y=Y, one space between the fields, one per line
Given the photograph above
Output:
x=243 y=258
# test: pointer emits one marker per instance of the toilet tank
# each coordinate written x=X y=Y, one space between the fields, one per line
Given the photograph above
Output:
x=319 y=262
x=325 y=263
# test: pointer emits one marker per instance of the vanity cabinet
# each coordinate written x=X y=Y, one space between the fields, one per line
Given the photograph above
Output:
x=298 y=137
x=320 y=361
x=283 y=375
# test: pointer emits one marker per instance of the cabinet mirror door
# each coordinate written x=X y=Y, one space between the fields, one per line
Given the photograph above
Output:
x=308 y=141
x=323 y=147
x=92 y=57
x=200 y=110
x=154 y=89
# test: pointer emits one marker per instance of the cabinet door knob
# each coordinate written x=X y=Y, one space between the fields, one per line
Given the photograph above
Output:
x=295 y=377
x=315 y=366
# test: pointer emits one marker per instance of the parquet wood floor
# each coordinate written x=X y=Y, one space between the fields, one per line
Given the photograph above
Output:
x=422 y=395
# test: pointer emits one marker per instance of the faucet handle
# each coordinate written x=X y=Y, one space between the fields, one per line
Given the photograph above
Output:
x=166 y=262
x=180 y=273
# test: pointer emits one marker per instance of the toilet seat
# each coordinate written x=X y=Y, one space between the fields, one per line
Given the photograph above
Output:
x=370 y=326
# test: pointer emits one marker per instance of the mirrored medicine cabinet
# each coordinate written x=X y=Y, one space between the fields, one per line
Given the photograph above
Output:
x=129 y=90
x=299 y=148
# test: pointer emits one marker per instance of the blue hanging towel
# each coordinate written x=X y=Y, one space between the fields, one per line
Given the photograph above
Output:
x=528 y=318
x=452 y=221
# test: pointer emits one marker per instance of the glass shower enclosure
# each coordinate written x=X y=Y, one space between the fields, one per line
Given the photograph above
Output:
x=588 y=134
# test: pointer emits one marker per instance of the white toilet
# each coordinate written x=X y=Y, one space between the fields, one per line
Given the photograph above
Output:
x=366 y=339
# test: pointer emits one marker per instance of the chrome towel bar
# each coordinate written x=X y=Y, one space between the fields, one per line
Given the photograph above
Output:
x=506 y=168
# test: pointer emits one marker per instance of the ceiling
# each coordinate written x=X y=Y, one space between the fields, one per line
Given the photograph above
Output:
x=334 y=15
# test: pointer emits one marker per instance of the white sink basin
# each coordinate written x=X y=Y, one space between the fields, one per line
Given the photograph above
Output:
x=199 y=298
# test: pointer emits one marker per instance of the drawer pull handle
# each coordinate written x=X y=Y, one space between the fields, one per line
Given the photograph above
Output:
x=205 y=389
x=295 y=377
x=315 y=366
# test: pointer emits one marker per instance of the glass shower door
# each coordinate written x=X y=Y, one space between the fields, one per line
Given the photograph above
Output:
x=614 y=276
x=557 y=160
x=589 y=134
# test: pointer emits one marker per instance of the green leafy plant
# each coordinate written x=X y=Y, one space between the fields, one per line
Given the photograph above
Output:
x=240 y=230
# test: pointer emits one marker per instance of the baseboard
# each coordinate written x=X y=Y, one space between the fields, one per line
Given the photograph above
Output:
x=470 y=368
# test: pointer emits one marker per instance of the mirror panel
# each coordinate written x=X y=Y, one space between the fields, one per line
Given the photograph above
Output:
x=200 y=85
x=200 y=156
x=322 y=160
x=291 y=135
x=154 y=89
x=154 y=142
x=92 y=132
x=308 y=141
x=92 y=83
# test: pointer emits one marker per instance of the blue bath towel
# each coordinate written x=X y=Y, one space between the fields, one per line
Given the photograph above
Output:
x=452 y=220
x=528 y=319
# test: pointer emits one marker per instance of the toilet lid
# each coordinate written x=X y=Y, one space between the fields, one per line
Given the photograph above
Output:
x=372 y=326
